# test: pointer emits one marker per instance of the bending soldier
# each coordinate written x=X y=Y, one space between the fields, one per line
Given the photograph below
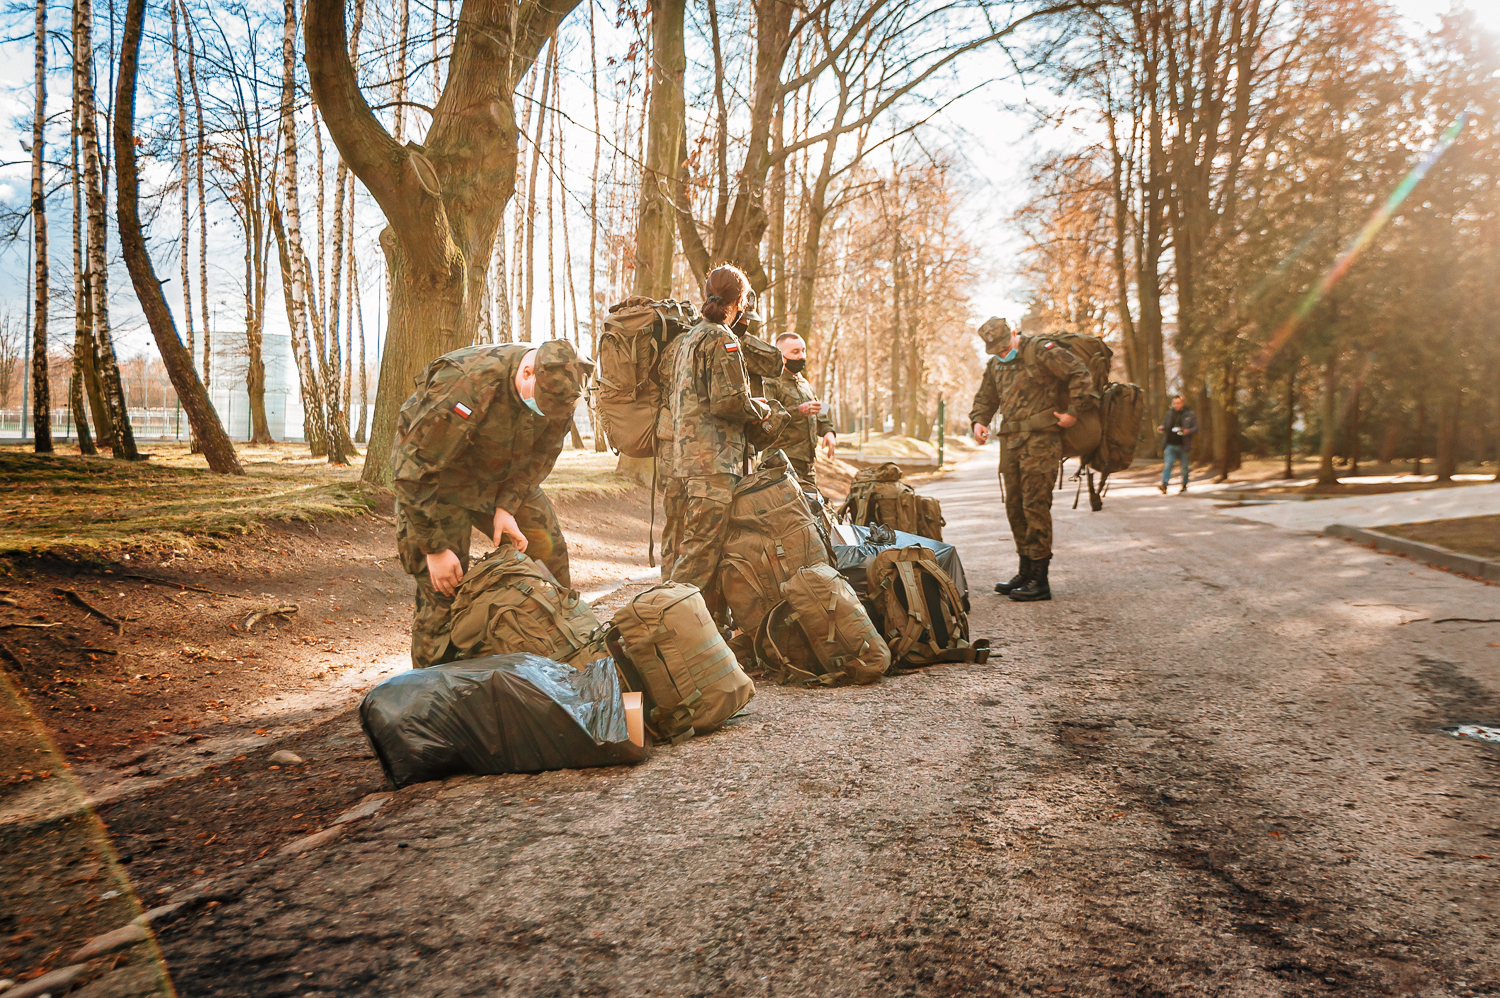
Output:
x=1027 y=380
x=472 y=447
x=808 y=424
x=713 y=420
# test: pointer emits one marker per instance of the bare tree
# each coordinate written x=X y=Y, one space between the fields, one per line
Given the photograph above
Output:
x=442 y=199
x=41 y=393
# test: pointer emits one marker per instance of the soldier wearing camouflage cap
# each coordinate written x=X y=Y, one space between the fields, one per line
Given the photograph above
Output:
x=716 y=425
x=473 y=445
x=1026 y=379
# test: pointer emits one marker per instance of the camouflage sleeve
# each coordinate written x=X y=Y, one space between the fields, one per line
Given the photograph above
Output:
x=1064 y=365
x=432 y=431
x=825 y=424
x=728 y=387
x=533 y=468
x=986 y=399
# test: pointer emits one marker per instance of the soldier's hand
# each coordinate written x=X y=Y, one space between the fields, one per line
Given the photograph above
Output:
x=446 y=572
x=507 y=528
x=830 y=441
x=981 y=434
x=810 y=408
x=1064 y=420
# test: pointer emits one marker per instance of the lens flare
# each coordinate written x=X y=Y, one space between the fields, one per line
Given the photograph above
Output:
x=1357 y=245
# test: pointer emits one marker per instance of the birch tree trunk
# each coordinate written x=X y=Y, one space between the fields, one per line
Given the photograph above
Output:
x=41 y=389
x=200 y=149
x=205 y=422
x=185 y=169
x=82 y=340
x=98 y=235
x=85 y=350
x=536 y=161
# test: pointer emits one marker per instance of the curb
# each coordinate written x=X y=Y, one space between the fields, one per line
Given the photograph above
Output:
x=1429 y=554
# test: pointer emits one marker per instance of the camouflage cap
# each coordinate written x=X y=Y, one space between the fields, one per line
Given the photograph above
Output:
x=560 y=377
x=994 y=330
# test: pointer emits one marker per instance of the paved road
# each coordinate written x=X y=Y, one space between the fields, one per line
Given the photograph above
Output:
x=1212 y=765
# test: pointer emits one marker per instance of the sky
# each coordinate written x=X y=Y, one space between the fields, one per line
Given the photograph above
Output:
x=989 y=130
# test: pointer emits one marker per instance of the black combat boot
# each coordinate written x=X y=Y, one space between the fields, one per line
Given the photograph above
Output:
x=1036 y=588
x=1019 y=579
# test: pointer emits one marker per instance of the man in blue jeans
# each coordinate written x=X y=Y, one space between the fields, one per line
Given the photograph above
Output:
x=1179 y=425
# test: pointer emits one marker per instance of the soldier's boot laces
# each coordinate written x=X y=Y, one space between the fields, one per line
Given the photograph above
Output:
x=1019 y=579
x=1036 y=588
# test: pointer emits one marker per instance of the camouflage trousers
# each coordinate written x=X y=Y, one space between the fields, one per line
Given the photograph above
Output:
x=1028 y=471
x=430 y=622
x=673 y=499
x=700 y=532
x=807 y=471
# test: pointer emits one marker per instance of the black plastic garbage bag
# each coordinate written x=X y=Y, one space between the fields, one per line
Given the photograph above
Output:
x=515 y=713
x=850 y=559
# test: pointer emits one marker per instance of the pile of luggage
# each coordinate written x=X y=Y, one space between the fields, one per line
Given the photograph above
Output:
x=540 y=680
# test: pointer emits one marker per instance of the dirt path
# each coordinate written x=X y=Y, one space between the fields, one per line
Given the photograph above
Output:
x=1213 y=765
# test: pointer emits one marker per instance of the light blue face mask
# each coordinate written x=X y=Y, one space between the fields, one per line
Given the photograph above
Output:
x=531 y=404
x=1009 y=357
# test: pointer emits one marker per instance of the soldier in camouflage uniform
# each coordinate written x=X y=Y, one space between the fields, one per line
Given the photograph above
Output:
x=472 y=446
x=808 y=425
x=1027 y=378
x=714 y=418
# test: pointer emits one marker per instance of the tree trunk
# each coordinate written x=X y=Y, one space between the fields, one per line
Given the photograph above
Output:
x=1291 y=418
x=1351 y=432
x=443 y=200
x=313 y=431
x=656 y=215
x=184 y=158
x=200 y=148
x=896 y=406
x=41 y=387
x=201 y=416
x=529 y=300
x=1447 y=438
x=1416 y=461
x=1328 y=423
x=82 y=341
x=98 y=234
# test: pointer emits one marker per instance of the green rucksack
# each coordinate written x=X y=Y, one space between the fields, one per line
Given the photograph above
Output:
x=879 y=496
x=771 y=535
x=819 y=634
x=667 y=647
x=628 y=383
x=1105 y=438
x=508 y=603
x=919 y=610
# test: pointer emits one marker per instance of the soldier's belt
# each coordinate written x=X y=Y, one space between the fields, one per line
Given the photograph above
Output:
x=1031 y=424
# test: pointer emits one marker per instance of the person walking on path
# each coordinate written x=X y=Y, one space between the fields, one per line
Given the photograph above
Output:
x=810 y=425
x=1040 y=388
x=473 y=444
x=1179 y=425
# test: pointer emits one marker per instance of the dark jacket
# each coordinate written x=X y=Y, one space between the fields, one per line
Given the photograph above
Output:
x=1180 y=425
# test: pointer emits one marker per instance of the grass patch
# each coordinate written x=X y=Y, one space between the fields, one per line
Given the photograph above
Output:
x=1472 y=535
x=67 y=505
x=578 y=472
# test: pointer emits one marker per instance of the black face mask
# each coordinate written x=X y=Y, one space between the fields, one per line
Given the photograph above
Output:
x=796 y=366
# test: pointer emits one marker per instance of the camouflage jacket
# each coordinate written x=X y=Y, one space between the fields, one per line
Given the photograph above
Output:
x=1042 y=379
x=466 y=439
x=709 y=396
x=800 y=438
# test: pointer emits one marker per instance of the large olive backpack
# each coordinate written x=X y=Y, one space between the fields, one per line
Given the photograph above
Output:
x=508 y=603
x=629 y=380
x=819 y=634
x=667 y=647
x=879 y=496
x=772 y=533
x=919 y=610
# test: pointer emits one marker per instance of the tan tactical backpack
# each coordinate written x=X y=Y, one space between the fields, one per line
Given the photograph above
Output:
x=919 y=609
x=1105 y=439
x=508 y=603
x=771 y=535
x=629 y=379
x=877 y=495
x=666 y=646
x=819 y=634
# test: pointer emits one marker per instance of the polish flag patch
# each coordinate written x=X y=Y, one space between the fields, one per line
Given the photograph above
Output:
x=462 y=410
x=731 y=348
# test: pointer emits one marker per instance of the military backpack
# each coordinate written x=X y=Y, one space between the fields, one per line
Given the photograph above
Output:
x=1104 y=439
x=820 y=634
x=666 y=646
x=919 y=610
x=878 y=496
x=629 y=381
x=771 y=535
x=508 y=603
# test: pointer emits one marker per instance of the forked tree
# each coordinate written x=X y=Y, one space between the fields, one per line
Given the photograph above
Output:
x=442 y=198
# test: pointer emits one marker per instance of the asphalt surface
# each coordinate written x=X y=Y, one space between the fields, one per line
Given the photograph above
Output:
x=1214 y=764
